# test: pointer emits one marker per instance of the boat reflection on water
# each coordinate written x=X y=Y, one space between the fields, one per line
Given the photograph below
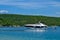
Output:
x=36 y=30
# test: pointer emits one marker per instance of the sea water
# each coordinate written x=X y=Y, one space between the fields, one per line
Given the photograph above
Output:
x=22 y=33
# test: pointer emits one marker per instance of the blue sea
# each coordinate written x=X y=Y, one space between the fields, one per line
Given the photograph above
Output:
x=22 y=33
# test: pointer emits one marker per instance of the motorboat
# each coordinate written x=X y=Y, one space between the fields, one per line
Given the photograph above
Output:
x=37 y=25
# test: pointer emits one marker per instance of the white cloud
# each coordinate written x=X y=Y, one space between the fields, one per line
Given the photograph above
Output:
x=55 y=4
x=32 y=4
x=3 y=11
x=58 y=13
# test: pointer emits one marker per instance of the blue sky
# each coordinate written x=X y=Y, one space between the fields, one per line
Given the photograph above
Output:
x=31 y=7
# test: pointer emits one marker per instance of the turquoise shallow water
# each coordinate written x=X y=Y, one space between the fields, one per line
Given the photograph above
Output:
x=25 y=34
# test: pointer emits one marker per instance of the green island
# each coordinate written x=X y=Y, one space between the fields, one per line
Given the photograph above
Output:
x=21 y=20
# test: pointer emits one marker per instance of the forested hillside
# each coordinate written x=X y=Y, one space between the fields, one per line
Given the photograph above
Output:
x=13 y=19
